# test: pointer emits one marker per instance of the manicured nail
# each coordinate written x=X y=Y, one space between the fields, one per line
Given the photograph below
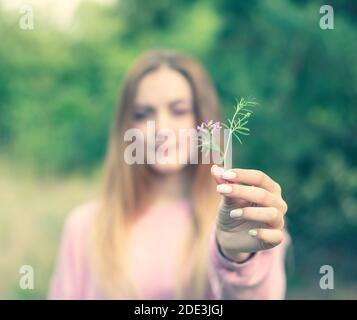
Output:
x=218 y=171
x=253 y=232
x=229 y=175
x=236 y=213
x=224 y=188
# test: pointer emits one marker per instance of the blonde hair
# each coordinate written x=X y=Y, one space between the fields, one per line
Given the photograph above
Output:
x=125 y=192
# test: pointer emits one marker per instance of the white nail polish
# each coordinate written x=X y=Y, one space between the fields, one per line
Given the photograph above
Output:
x=253 y=232
x=236 y=213
x=218 y=171
x=224 y=188
x=229 y=175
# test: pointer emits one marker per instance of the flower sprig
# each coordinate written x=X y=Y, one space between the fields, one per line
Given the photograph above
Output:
x=236 y=127
x=208 y=130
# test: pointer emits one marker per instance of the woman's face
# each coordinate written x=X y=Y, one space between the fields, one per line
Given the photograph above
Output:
x=164 y=97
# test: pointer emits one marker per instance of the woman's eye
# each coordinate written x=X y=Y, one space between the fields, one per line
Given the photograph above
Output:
x=181 y=111
x=142 y=114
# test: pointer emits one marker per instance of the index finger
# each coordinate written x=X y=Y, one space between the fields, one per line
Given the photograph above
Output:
x=252 y=177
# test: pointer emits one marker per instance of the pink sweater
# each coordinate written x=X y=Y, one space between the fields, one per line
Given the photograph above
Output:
x=153 y=247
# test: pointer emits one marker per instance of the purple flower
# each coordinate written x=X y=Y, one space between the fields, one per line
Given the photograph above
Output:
x=209 y=126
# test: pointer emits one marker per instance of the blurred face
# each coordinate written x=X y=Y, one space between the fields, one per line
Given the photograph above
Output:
x=164 y=101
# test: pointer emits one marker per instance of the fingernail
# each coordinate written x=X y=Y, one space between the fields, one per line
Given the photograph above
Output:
x=236 y=213
x=218 y=171
x=224 y=188
x=229 y=175
x=253 y=232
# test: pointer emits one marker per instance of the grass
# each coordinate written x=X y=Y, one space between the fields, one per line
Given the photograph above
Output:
x=32 y=213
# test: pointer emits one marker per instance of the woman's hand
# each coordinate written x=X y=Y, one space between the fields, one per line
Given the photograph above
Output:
x=251 y=215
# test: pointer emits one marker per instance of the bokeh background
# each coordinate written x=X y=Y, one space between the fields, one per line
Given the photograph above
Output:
x=59 y=85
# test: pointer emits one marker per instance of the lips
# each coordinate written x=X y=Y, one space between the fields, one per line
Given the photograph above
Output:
x=166 y=147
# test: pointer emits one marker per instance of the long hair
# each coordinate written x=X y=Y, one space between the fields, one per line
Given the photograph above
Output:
x=126 y=187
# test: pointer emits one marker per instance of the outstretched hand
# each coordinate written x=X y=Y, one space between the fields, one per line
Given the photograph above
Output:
x=251 y=214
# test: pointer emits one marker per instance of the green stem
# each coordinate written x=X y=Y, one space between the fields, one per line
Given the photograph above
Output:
x=229 y=137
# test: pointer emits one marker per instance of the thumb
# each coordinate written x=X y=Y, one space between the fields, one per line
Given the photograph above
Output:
x=216 y=172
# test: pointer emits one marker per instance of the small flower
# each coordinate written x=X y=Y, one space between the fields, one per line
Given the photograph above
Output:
x=236 y=126
x=208 y=131
x=216 y=126
x=209 y=126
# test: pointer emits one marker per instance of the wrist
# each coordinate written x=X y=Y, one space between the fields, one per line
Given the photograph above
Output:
x=239 y=257
x=233 y=255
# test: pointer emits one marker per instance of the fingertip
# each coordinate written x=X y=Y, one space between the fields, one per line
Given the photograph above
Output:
x=236 y=213
x=217 y=171
x=213 y=168
x=272 y=237
x=229 y=175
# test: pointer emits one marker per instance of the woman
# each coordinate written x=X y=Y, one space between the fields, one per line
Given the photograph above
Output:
x=159 y=230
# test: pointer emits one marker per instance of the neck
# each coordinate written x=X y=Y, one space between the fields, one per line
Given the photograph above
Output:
x=172 y=187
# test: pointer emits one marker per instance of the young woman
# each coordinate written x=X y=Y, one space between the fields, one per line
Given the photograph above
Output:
x=173 y=231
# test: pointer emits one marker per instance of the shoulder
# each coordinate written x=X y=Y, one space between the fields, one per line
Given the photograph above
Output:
x=82 y=215
x=76 y=232
x=79 y=220
x=71 y=276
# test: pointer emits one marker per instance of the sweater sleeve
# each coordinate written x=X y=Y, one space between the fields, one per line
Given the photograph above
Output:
x=260 y=277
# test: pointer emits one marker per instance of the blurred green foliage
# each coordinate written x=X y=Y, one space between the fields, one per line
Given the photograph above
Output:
x=58 y=90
